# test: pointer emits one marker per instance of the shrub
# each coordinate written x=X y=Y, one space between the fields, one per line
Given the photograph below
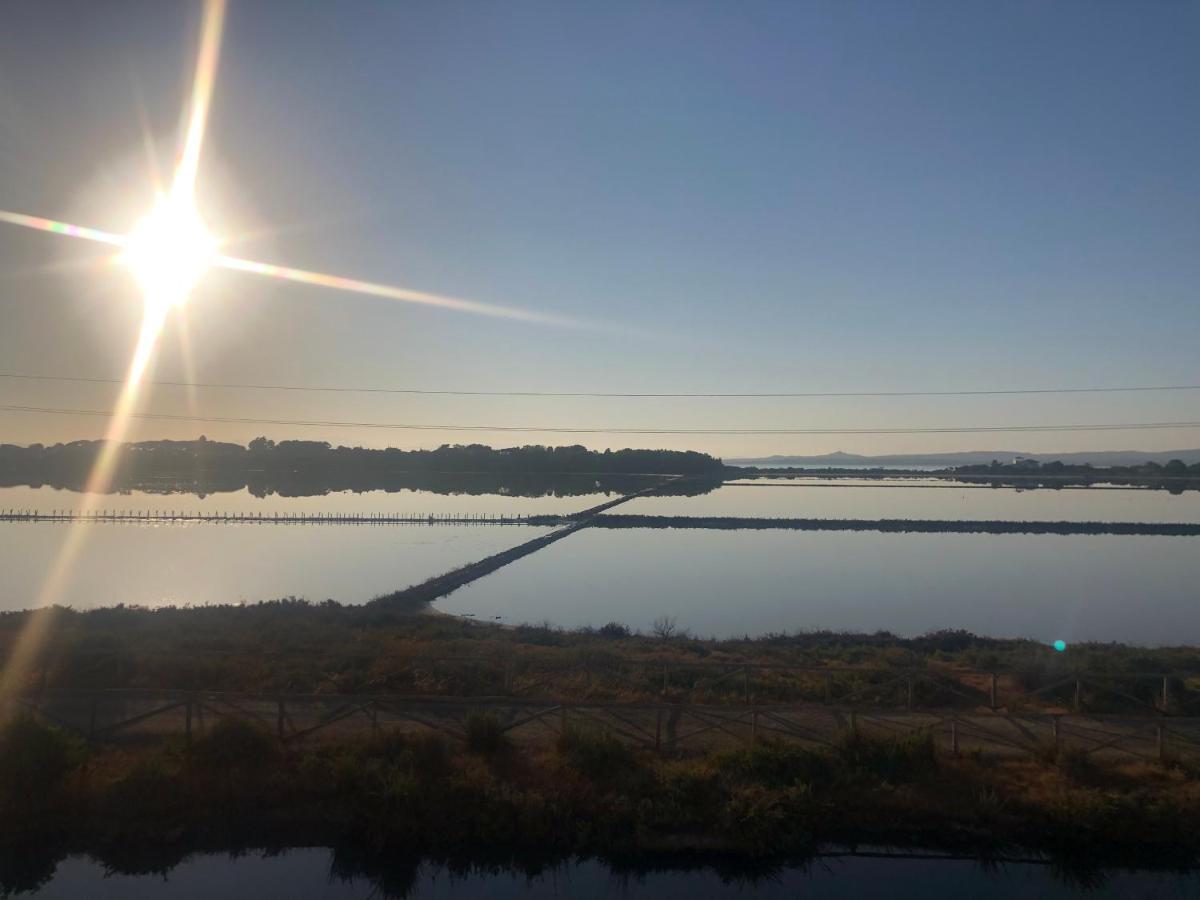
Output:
x=426 y=754
x=484 y=735
x=595 y=752
x=148 y=797
x=235 y=747
x=614 y=630
x=770 y=821
x=686 y=792
x=777 y=764
x=892 y=760
x=35 y=760
x=430 y=755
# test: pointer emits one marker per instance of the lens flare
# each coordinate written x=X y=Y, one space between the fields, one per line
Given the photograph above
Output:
x=168 y=251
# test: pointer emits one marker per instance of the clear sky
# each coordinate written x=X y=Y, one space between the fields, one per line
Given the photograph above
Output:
x=744 y=196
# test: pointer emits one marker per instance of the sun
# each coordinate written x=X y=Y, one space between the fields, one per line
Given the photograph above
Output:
x=168 y=251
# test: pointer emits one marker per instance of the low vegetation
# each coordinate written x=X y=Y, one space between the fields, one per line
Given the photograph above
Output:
x=298 y=647
x=586 y=793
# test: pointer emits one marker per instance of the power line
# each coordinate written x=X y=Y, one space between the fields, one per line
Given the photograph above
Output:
x=317 y=423
x=610 y=394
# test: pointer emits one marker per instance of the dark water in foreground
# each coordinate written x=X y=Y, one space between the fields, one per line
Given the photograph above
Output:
x=311 y=873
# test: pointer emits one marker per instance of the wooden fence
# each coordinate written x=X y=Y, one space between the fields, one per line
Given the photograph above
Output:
x=590 y=676
x=141 y=716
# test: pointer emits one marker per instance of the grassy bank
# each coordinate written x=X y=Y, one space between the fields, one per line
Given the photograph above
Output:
x=582 y=792
x=585 y=793
x=327 y=648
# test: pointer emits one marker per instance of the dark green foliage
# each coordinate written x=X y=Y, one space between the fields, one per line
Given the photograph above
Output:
x=892 y=760
x=484 y=735
x=614 y=630
x=235 y=747
x=425 y=754
x=778 y=764
x=596 y=753
x=35 y=760
x=430 y=755
x=853 y=757
x=147 y=800
x=770 y=821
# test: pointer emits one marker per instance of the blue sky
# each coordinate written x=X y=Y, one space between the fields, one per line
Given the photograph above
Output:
x=749 y=197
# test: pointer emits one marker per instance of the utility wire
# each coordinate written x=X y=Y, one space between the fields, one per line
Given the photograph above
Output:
x=613 y=394
x=316 y=423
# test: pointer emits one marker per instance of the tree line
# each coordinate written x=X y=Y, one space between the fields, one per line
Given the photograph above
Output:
x=296 y=468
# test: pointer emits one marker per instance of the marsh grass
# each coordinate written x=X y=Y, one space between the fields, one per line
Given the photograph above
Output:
x=484 y=735
x=596 y=753
x=35 y=761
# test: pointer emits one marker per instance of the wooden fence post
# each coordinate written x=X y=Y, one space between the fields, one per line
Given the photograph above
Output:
x=954 y=736
x=1166 y=693
x=992 y=692
x=1078 y=694
x=908 y=698
x=746 y=682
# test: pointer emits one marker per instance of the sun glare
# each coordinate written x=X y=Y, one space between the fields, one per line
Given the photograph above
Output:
x=168 y=251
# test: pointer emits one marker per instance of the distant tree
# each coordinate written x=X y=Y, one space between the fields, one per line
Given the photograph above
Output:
x=664 y=627
x=614 y=630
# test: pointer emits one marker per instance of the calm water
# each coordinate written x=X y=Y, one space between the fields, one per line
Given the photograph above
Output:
x=202 y=563
x=366 y=502
x=818 y=499
x=310 y=874
x=1105 y=587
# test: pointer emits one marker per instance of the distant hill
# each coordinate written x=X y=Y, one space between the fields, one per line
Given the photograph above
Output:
x=973 y=457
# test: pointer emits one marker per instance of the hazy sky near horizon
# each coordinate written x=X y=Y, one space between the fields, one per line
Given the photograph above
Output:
x=742 y=197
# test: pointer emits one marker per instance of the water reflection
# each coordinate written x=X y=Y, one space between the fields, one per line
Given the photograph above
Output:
x=320 y=873
x=922 y=500
x=725 y=583
x=218 y=563
x=467 y=497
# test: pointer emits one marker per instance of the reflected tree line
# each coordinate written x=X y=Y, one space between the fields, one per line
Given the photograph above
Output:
x=1175 y=475
x=312 y=468
x=399 y=875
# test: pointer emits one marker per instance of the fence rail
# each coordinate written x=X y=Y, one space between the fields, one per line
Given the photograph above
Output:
x=597 y=676
x=130 y=715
